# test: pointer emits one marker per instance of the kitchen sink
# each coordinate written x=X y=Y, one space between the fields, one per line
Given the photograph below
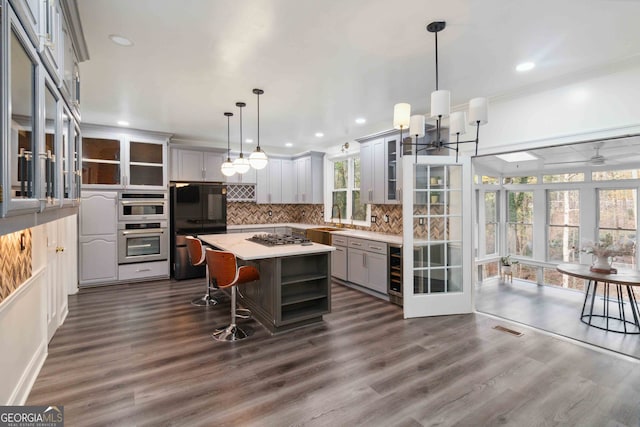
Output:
x=321 y=234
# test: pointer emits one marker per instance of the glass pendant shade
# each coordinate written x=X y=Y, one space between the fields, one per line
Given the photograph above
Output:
x=416 y=127
x=227 y=168
x=478 y=111
x=440 y=103
x=241 y=165
x=258 y=159
x=458 y=123
x=401 y=115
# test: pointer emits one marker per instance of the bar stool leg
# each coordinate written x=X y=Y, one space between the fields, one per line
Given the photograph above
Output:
x=231 y=332
x=207 y=299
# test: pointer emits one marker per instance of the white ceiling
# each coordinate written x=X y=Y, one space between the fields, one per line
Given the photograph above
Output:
x=324 y=63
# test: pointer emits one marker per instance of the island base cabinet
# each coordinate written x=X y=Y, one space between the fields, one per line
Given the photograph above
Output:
x=292 y=291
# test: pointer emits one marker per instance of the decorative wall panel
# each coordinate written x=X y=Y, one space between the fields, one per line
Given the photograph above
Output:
x=15 y=263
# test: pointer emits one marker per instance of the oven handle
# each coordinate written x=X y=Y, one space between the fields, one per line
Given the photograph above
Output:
x=145 y=231
x=142 y=202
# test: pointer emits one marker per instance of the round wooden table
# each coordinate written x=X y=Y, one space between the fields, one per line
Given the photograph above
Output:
x=608 y=320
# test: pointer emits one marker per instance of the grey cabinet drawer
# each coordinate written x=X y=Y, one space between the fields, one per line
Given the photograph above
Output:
x=338 y=240
x=368 y=245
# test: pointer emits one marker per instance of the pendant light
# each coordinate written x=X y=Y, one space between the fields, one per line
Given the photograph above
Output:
x=241 y=165
x=258 y=159
x=440 y=108
x=227 y=167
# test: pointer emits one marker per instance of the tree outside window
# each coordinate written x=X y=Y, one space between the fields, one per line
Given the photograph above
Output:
x=346 y=191
x=520 y=223
x=563 y=225
x=491 y=222
x=617 y=219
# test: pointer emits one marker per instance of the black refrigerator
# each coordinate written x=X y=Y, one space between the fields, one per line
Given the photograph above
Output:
x=196 y=208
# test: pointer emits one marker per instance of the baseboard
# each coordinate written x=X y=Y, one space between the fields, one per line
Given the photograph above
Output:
x=29 y=376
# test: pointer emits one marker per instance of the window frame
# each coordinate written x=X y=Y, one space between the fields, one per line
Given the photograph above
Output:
x=548 y=223
x=329 y=181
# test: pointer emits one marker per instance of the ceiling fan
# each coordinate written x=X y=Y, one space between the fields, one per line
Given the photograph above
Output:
x=596 y=160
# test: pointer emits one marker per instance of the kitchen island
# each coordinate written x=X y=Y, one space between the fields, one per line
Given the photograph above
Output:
x=295 y=280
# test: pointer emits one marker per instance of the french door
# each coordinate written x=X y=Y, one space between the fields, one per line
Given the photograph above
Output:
x=437 y=236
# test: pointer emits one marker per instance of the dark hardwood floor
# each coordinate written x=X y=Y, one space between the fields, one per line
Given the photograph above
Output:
x=142 y=355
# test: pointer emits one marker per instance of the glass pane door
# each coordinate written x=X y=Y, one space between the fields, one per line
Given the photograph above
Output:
x=437 y=248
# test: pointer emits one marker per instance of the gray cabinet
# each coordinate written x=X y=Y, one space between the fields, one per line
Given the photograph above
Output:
x=30 y=13
x=380 y=174
x=192 y=165
x=367 y=264
x=269 y=182
x=287 y=182
x=52 y=39
x=372 y=171
x=113 y=160
x=308 y=178
x=339 y=261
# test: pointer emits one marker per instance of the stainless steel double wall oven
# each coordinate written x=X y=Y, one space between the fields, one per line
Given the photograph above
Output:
x=142 y=228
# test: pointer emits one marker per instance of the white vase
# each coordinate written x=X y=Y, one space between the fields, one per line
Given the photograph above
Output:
x=601 y=263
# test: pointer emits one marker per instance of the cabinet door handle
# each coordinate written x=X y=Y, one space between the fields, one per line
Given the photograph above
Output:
x=140 y=270
x=376 y=247
x=356 y=244
x=364 y=259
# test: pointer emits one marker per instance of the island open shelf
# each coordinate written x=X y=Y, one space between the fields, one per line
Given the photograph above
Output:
x=295 y=282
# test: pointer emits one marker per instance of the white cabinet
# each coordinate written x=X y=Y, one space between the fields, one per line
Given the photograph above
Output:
x=250 y=177
x=308 y=178
x=116 y=160
x=98 y=237
x=367 y=264
x=212 y=164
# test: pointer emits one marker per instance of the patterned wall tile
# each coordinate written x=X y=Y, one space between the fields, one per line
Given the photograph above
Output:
x=15 y=264
x=239 y=213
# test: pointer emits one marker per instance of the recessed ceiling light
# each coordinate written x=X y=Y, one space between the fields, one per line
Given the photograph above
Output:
x=361 y=120
x=288 y=144
x=521 y=156
x=248 y=140
x=120 y=40
x=319 y=134
x=123 y=123
x=525 y=66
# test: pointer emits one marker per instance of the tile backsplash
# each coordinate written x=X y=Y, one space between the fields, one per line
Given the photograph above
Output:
x=239 y=213
x=15 y=263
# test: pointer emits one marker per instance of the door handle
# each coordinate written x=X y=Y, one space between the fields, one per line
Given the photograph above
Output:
x=364 y=259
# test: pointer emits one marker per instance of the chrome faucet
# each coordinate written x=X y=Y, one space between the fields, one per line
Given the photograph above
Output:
x=339 y=214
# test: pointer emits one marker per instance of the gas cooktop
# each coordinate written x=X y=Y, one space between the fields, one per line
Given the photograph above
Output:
x=279 y=239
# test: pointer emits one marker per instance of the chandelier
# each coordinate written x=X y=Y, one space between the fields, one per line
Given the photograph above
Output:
x=440 y=108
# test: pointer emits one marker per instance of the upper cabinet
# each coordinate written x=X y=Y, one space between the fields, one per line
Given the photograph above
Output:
x=21 y=174
x=193 y=165
x=380 y=175
x=270 y=182
x=308 y=176
x=132 y=161
x=52 y=39
x=41 y=149
x=70 y=71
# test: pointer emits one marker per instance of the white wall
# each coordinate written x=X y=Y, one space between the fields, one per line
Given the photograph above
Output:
x=584 y=109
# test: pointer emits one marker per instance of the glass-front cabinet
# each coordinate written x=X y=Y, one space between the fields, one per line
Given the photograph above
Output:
x=393 y=176
x=41 y=148
x=20 y=173
x=123 y=161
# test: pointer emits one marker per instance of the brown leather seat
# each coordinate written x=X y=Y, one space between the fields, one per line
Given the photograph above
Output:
x=196 y=252
x=225 y=273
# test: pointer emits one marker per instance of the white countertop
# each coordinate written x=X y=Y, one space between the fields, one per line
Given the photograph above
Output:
x=246 y=250
x=362 y=234
x=370 y=235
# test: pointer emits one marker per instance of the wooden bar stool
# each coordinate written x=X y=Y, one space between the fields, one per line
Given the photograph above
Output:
x=225 y=273
x=197 y=257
